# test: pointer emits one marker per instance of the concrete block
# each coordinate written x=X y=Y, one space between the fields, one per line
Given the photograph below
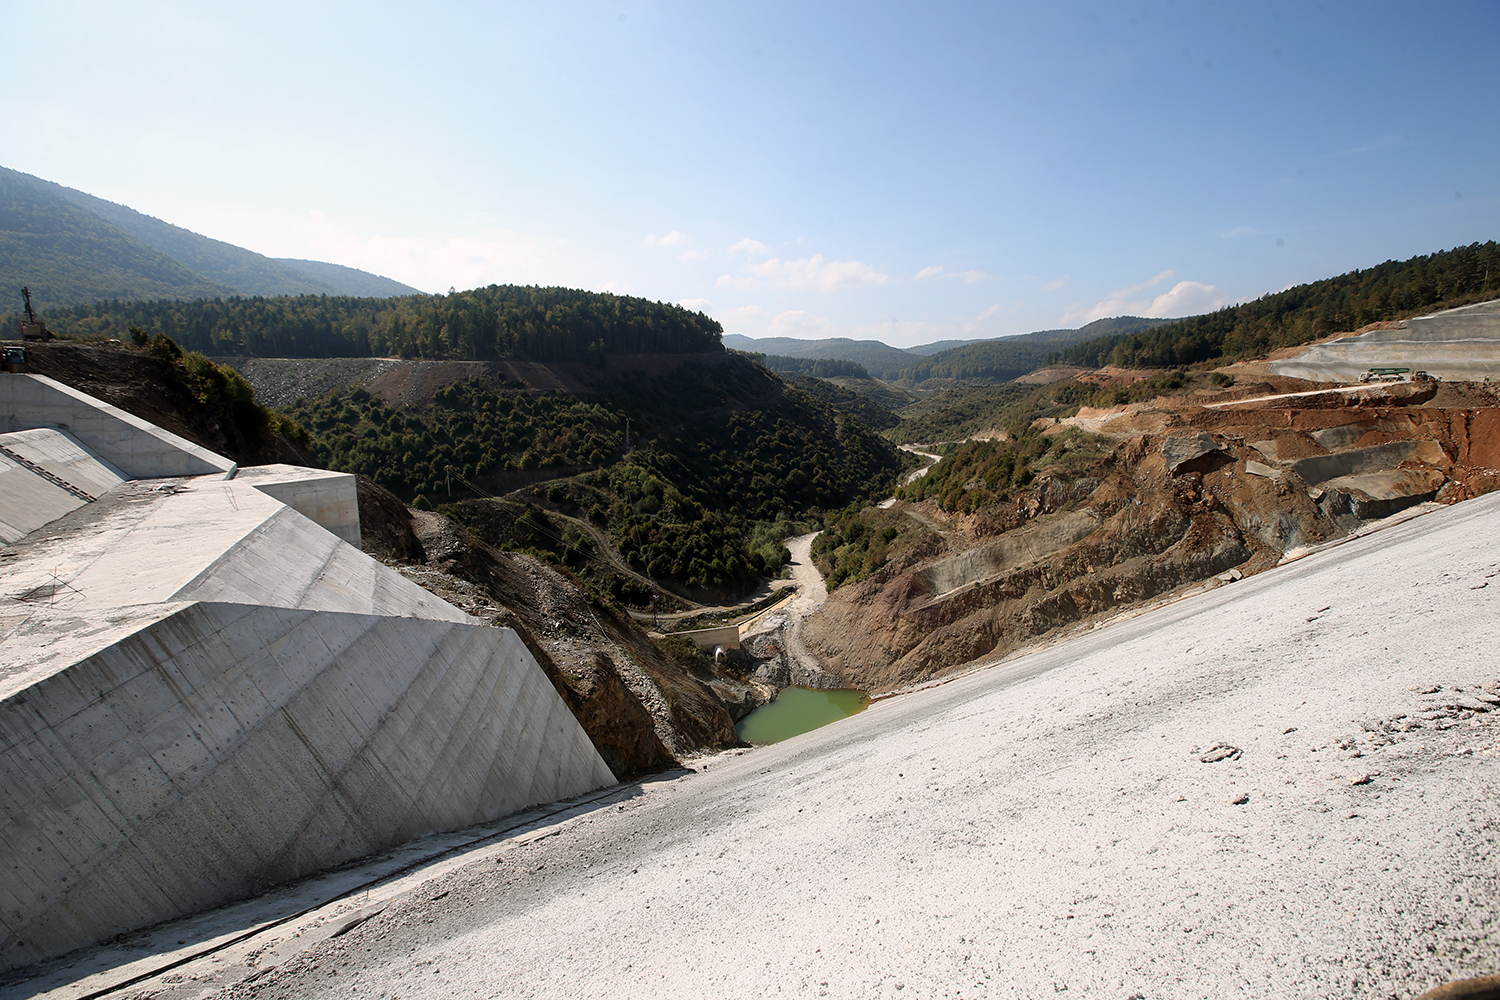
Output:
x=136 y=447
x=329 y=499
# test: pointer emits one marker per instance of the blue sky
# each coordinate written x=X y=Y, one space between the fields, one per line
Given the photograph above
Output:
x=907 y=173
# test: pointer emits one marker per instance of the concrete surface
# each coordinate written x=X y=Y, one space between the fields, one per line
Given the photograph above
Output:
x=225 y=748
x=44 y=474
x=1281 y=788
x=331 y=499
x=136 y=447
x=205 y=690
x=1457 y=344
x=727 y=636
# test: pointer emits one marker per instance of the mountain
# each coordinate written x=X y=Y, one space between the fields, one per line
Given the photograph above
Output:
x=877 y=357
x=350 y=280
x=70 y=247
x=1011 y=357
x=986 y=358
x=66 y=254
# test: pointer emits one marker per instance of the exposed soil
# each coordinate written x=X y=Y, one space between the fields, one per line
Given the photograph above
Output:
x=643 y=709
x=139 y=384
x=1238 y=507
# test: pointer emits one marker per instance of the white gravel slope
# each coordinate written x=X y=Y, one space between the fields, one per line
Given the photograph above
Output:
x=1049 y=824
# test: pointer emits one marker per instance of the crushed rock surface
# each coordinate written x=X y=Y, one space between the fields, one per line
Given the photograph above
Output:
x=1285 y=787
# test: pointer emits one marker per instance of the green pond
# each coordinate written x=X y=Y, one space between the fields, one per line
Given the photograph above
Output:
x=798 y=710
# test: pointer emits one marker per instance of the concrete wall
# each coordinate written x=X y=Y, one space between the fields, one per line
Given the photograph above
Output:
x=329 y=498
x=136 y=447
x=220 y=749
x=32 y=463
x=727 y=636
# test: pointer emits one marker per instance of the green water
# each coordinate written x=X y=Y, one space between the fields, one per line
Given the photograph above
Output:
x=798 y=710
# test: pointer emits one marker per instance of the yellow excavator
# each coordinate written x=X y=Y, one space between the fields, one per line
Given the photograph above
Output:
x=31 y=327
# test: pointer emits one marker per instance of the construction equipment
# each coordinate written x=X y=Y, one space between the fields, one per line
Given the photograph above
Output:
x=31 y=327
x=1385 y=375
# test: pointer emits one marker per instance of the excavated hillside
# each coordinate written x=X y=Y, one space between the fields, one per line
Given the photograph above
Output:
x=1203 y=489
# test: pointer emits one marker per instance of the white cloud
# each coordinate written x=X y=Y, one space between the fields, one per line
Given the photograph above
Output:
x=815 y=272
x=1118 y=302
x=1187 y=298
x=672 y=239
x=1053 y=286
x=799 y=323
x=1239 y=232
x=749 y=246
x=967 y=277
x=696 y=305
x=746 y=320
x=693 y=255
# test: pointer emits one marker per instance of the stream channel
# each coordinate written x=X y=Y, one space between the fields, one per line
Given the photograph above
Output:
x=799 y=710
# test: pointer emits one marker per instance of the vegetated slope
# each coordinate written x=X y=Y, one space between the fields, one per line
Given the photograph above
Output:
x=957 y=413
x=877 y=358
x=1011 y=357
x=65 y=254
x=645 y=705
x=1389 y=291
x=185 y=393
x=348 y=280
x=719 y=445
x=498 y=321
x=70 y=248
x=997 y=358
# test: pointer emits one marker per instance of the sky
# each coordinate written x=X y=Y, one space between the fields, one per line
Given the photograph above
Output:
x=901 y=172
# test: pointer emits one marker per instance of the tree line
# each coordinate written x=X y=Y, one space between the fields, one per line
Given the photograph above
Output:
x=1389 y=291
x=498 y=321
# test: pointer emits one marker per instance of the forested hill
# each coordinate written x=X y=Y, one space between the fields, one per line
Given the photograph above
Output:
x=1011 y=357
x=1390 y=291
x=70 y=247
x=499 y=321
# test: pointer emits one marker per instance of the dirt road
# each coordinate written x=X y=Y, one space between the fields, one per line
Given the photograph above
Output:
x=1281 y=788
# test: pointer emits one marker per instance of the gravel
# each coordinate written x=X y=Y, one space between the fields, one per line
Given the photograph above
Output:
x=1066 y=821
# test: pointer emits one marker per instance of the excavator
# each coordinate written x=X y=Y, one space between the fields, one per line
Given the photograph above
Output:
x=31 y=327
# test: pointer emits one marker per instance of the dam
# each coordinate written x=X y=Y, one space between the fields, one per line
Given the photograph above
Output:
x=207 y=689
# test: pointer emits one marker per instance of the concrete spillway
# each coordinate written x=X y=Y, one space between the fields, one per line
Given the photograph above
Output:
x=205 y=690
x=1456 y=344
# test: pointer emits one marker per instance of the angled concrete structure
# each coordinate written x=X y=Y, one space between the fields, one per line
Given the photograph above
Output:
x=204 y=691
x=1456 y=344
